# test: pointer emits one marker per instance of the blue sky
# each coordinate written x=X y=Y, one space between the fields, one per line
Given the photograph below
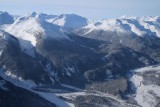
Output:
x=89 y=8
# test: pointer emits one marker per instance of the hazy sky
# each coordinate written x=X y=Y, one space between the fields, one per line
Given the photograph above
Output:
x=87 y=8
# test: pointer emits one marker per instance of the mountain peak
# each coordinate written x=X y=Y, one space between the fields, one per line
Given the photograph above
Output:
x=70 y=21
x=1 y=12
x=29 y=29
x=6 y=18
x=32 y=14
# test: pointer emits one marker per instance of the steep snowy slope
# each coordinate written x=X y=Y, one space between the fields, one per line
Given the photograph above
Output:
x=42 y=16
x=29 y=29
x=113 y=25
x=70 y=21
x=132 y=25
x=151 y=23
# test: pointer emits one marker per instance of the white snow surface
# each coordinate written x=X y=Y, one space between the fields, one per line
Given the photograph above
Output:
x=139 y=26
x=148 y=69
x=146 y=94
x=70 y=21
x=28 y=29
x=25 y=31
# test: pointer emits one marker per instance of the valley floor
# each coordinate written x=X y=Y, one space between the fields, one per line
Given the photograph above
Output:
x=144 y=84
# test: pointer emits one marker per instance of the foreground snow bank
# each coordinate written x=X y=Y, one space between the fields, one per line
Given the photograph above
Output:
x=146 y=81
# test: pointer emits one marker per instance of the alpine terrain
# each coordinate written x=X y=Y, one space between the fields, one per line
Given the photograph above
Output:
x=72 y=61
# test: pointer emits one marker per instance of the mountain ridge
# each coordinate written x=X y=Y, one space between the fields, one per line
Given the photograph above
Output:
x=71 y=56
x=123 y=23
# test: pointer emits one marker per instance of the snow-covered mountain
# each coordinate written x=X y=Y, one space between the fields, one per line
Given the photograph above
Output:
x=139 y=26
x=70 y=21
x=83 y=61
x=145 y=83
x=30 y=29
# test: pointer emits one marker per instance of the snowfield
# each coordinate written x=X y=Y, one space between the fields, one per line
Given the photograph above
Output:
x=30 y=29
x=147 y=94
x=139 y=26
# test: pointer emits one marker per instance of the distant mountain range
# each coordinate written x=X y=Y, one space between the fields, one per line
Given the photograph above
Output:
x=84 y=62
